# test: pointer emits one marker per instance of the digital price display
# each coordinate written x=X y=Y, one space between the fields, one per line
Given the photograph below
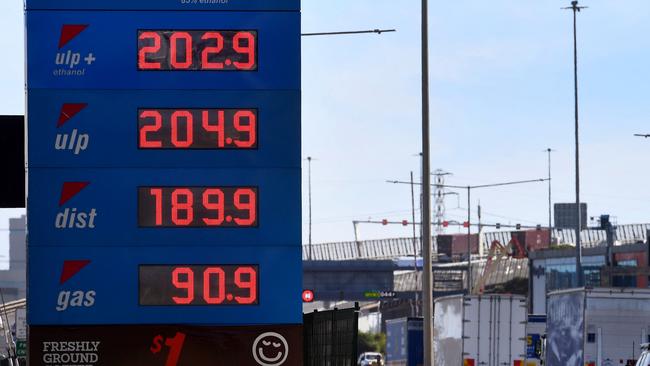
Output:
x=197 y=50
x=199 y=285
x=197 y=206
x=197 y=128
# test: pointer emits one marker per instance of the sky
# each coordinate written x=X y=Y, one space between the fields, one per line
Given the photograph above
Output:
x=501 y=78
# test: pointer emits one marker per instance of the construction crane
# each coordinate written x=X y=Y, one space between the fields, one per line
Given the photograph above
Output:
x=496 y=255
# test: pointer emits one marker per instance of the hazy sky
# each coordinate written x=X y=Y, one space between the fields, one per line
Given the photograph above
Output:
x=501 y=93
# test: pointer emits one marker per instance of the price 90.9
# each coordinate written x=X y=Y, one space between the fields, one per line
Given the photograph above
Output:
x=198 y=285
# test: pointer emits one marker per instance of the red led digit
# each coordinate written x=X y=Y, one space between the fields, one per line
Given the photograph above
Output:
x=218 y=128
x=157 y=194
x=143 y=64
x=248 y=204
x=189 y=127
x=157 y=118
x=175 y=347
x=250 y=284
x=213 y=195
x=242 y=126
x=186 y=283
x=221 y=285
x=186 y=206
x=249 y=49
x=212 y=50
x=173 y=45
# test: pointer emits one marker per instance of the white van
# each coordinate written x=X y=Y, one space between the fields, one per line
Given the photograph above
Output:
x=644 y=359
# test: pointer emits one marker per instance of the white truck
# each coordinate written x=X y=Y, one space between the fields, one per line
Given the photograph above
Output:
x=487 y=330
x=596 y=327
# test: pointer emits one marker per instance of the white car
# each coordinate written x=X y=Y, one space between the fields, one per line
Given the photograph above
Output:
x=644 y=359
x=370 y=359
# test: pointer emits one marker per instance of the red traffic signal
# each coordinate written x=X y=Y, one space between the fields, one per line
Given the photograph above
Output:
x=445 y=224
x=405 y=222
x=384 y=222
x=307 y=296
x=465 y=223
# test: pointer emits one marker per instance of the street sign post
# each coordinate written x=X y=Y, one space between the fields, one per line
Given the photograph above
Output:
x=164 y=182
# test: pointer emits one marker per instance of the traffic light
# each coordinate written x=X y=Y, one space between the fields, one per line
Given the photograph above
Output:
x=405 y=222
x=384 y=222
x=466 y=224
x=445 y=224
x=518 y=226
x=498 y=225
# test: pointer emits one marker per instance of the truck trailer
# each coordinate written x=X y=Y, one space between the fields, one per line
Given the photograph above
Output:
x=485 y=330
x=404 y=342
x=596 y=327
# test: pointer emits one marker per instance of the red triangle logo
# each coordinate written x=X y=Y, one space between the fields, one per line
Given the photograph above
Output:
x=71 y=268
x=69 y=110
x=70 y=189
x=69 y=31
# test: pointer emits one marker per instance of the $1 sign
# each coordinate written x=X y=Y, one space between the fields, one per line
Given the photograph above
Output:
x=175 y=345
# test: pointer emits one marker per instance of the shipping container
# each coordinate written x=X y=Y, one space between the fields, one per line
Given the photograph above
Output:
x=480 y=330
x=455 y=245
x=596 y=327
x=404 y=342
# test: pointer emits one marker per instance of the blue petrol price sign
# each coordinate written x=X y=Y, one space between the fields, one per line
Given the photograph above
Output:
x=168 y=128
x=164 y=50
x=164 y=182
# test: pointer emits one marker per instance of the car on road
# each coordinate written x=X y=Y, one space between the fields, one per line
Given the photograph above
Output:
x=644 y=359
x=370 y=359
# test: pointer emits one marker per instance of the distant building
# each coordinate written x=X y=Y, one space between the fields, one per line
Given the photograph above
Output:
x=13 y=282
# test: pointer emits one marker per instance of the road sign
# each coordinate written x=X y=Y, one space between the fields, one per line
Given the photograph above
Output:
x=21 y=348
x=164 y=182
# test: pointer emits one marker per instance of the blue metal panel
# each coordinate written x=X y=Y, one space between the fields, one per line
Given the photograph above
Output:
x=112 y=193
x=113 y=275
x=203 y=5
x=107 y=50
x=105 y=132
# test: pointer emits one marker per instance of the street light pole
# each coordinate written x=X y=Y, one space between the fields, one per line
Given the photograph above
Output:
x=427 y=274
x=550 y=222
x=469 y=241
x=578 y=229
x=309 y=187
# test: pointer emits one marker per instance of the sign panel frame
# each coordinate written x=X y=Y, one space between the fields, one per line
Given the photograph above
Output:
x=75 y=45
x=99 y=128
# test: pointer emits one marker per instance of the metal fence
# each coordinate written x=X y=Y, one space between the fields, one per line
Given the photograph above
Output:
x=398 y=247
x=330 y=337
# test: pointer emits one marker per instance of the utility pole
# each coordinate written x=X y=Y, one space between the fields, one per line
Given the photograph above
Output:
x=550 y=204
x=580 y=276
x=415 y=247
x=469 y=241
x=427 y=280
